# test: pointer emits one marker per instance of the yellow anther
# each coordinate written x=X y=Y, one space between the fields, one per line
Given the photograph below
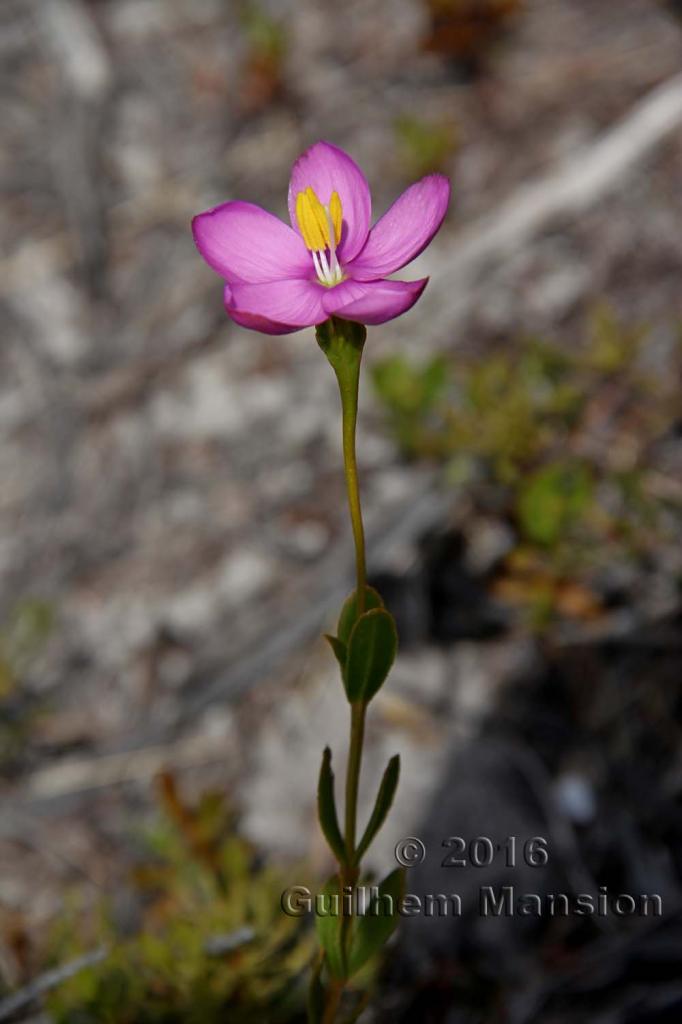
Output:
x=316 y=222
x=312 y=220
x=320 y=216
x=336 y=214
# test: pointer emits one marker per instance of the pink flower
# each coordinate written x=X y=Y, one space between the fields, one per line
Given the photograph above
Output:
x=280 y=279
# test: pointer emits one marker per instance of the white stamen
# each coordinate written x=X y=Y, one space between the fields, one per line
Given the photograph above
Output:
x=333 y=260
x=327 y=267
x=318 y=268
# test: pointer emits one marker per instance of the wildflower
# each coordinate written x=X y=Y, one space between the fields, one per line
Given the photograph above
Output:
x=279 y=279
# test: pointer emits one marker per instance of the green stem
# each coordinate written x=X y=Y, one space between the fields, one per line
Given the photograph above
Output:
x=357 y=735
x=342 y=343
x=349 y=387
x=348 y=375
x=350 y=871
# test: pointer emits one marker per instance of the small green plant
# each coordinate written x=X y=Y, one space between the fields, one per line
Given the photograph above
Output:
x=424 y=146
x=262 y=74
x=552 y=500
x=518 y=426
x=414 y=399
x=213 y=945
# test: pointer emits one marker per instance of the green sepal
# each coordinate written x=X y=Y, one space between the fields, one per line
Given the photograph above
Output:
x=372 y=649
x=316 y=996
x=338 y=647
x=349 y=612
x=342 y=342
x=374 y=928
x=329 y=929
x=326 y=808
x=382 y=806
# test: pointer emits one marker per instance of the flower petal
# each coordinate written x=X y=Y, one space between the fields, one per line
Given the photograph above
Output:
x=326 y=169
x=289 y=305
x=372 y=302
x=254 y=322
x=404 y=230
x=246 y=244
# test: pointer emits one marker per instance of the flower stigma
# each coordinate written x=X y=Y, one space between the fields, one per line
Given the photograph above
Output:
x=321 y=230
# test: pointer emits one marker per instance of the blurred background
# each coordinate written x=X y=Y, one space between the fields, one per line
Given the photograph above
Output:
x=173 y=534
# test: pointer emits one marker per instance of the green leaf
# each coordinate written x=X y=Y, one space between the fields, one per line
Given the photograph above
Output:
x=376 y=926
x=553 y=500
x=349 y=612
x=371 y=652
x=326 y=808
x=316 y=996
x=382 y=806
x=328 y=926
x=338 y=647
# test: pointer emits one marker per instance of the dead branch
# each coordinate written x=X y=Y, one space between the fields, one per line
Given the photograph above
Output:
x=572 y=187
x=44 y=983
x=70 y=33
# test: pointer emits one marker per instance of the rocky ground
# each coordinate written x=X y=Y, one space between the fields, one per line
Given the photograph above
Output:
x=171 y=484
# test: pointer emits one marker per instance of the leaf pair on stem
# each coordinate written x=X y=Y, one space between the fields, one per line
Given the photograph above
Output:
x=365 y=646
x=326 y=806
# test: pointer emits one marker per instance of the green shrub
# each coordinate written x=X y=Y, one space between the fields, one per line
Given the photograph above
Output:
x=214 y=944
